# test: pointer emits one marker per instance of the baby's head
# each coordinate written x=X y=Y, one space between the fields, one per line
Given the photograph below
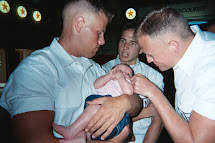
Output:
x=125 y=69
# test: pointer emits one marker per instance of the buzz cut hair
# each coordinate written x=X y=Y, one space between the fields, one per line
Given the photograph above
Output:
x=163 y=20
x=94 y=6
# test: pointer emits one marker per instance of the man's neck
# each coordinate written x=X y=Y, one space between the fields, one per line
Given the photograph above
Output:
x=129 y=63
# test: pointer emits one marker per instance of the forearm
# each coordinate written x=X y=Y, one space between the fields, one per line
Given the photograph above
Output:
x=41 y=139
x=101 y=81
x=133 y=103
x=154 y=130
x=145 y=113
x=126 y=87
x=176 y=126
x=34 y=127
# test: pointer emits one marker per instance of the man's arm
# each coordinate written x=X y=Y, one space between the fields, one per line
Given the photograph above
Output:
x=34 y=127
x=156 y=126
x=154 y=130
x=149 y=111
x=111 y=113
x=199 y=128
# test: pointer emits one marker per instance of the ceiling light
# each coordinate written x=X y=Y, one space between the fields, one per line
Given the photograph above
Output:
x=4 y=6
x=37 y=16
x=22 y=12
x=130 y=13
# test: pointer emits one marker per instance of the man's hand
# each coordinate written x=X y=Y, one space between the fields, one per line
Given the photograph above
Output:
x=143 y=86
x=108 y=116
x=112 y=73
x=149 y=111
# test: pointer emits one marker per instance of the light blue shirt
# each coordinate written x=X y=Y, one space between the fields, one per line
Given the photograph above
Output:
x=51 y=79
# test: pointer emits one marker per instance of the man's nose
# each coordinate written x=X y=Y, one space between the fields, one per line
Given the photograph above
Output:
x=149 y=59
x=126 y=46
x=101 y=40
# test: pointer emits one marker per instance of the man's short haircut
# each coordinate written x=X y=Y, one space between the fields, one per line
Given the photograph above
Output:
x=128 y=26
x=95 y=6
x=163 y=20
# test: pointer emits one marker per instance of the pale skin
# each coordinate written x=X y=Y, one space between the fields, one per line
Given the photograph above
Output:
x=199 y=129
x=36 y=126
x=75 y=132
x=156 y=126
x=120 y=73
x=129 y=51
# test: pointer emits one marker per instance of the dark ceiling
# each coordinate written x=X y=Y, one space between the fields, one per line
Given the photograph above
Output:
x=141 y=3
x=51 y=9
x=40 y=34
x=58 y=4
x=138 y=3
x=157 y=2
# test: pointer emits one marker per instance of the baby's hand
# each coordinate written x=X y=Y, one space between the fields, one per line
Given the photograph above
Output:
x=114 y=75
x=119 y=74
x=112 y=72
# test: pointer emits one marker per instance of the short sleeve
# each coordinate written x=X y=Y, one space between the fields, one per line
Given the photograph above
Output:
x=205 y=90
x=28 y=90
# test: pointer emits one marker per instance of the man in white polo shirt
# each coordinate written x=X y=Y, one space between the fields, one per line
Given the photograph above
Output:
x=129 y=51
x=169 y=42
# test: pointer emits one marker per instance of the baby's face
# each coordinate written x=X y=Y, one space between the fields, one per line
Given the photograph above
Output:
x=125 y=69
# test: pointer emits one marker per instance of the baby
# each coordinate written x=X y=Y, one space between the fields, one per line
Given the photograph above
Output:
x=113 y=84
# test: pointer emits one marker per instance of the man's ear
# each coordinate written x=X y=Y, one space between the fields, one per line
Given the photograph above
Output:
x=79 y=23
x=174 y=46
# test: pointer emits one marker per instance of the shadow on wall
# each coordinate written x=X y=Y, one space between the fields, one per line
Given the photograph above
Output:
x=6 y=135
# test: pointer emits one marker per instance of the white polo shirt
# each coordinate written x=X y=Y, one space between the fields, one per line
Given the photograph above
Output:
x=140 y=127
x=51 y=79
x=195 y=77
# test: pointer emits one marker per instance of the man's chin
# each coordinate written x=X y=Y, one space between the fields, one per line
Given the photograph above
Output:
x=125 y=59
x=90 y=56
x=163 y=69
